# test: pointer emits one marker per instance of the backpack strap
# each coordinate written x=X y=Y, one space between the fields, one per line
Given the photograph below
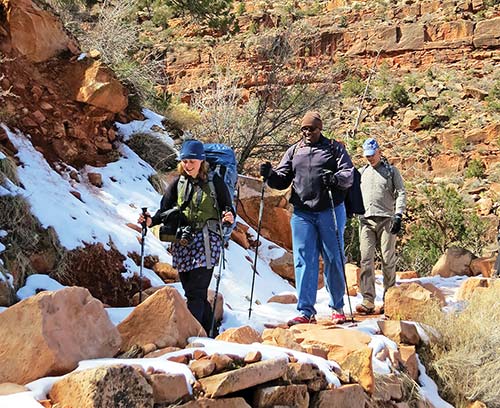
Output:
x=188 y=191
x=362 y=169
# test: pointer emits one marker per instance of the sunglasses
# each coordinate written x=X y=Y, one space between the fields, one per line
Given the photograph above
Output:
x=308 y=129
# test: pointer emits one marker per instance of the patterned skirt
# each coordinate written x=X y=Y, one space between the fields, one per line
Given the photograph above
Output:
x=192 y=256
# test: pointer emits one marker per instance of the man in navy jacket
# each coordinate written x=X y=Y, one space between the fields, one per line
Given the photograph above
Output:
x=313 y=166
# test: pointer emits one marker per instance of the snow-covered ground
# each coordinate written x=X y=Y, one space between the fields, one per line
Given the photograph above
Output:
x=102 y=215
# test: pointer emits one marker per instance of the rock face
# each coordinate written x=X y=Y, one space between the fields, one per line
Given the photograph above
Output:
x=63 y=328
x=162 y=319
x=35 y=33
x=117 y=386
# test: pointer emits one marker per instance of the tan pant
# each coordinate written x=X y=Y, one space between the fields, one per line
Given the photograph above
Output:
x=373 y=231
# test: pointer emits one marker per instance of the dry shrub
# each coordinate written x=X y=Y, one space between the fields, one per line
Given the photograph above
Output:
x=23 y=236
x=8 y=170
x=161 y=156
x=116 y=36
x=181 y=116
x=159 y=182
x=100 y=271
x=464 y=350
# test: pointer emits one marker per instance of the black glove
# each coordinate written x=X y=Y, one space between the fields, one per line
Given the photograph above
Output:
x=329 y=179
x=396 y=223
x=265 y=170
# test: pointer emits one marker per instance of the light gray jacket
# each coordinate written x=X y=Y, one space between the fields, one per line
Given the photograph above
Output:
x=383 y=190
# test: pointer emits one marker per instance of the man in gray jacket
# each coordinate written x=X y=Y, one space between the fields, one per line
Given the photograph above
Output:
x=384 y=198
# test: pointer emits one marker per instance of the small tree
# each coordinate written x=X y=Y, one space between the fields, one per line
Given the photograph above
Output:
x=438 y=220
x=260 y=125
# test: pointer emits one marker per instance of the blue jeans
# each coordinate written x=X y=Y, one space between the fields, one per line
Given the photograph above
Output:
x=314 y=233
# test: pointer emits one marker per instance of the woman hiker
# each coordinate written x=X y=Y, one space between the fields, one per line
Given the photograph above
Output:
x=198 y=250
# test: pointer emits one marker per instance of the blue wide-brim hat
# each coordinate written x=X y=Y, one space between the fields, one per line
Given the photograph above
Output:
x=370 y=146
x=192 y=149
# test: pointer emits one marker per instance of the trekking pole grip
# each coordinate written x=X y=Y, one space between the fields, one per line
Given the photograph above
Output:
x=144 y=223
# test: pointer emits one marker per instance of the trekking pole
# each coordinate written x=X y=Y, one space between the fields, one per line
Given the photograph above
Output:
x=222 y=267
x=261 y=211
x=330 y=194
x=144 y=231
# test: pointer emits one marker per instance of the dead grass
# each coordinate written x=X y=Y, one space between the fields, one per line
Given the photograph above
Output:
x=464 y=350
x=25 y=236
x=8 y=170
x=22 y=236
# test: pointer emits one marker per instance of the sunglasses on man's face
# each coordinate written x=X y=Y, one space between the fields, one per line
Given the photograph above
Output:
x=309 y=129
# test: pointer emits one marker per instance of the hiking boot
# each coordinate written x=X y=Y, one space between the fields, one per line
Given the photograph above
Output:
x=366 y=307
x=302 y=320
x=338 y=316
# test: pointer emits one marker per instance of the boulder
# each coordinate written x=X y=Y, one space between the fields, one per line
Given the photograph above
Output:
x=483 y=266
x=93 y=83
x=455 y=261
x=339 y=342
x=118 y=386
x=283 y=266
x=353 y=273
x=486 y=33
x=63 y=328
x=166 y=271
x=399 y=332
x=35 y=33
x=408 y=357
x=168 y=388
x=241 y=335
x=249 y=376
x=282 y=338
x=468 y=287
x=407 y=300
x=162 y=319
x=350 y=395
x=288 y=299
x=239 y=235
x=360 y=367
x=275 y=218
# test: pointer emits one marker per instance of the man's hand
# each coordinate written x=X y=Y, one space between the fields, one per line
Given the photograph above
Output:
x=396 y=223
x=329 y=179
x=265 y=170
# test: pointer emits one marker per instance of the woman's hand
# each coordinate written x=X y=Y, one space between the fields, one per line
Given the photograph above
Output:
x=145 y=217
x=227 y=217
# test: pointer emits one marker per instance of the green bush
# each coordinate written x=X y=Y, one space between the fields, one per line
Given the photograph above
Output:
x=216 y=14
x=493 y=98
x=475 y=168
x=459 y=144
x=438 y=219
x=429 y=121
x=353 y=86
x=351 y=241
x=399 y=96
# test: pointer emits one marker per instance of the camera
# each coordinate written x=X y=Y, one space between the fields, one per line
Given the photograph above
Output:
x=184 y=235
